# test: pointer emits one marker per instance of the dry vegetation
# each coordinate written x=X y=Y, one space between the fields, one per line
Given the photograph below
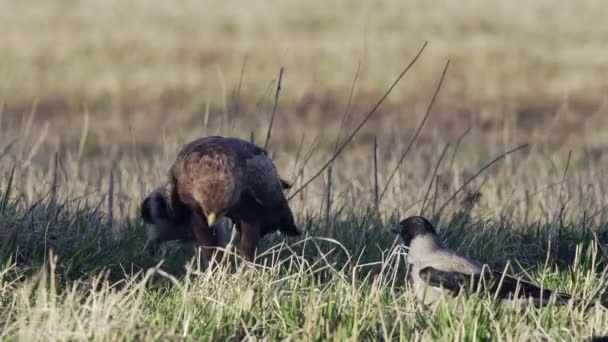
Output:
x=97 y=96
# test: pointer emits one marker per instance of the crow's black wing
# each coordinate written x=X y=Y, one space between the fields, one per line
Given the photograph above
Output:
x=451 y=281
x=492 y=283
x=515 y=287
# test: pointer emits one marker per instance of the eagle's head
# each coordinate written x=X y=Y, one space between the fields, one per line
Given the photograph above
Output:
x=217 y=184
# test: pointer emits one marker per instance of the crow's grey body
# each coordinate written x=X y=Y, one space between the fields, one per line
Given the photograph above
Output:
x=428 y=251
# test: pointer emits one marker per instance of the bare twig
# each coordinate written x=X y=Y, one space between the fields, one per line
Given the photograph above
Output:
x=563 y=182
x=376 y=188
x=435 y=195
x=6 y=194
x=485 y=167
x=302 y=193
x=41 y=137
x=328 y=197
x=347 y=110
x=1 y=114
x=83 y=136
x=428 y=190
x=457 y=146
x=361 y=124
x=54 y=178
x=7 y=148
x=274 y=108
x=258 y=104
x=307 y=157
x=559 y=204
x=298 y=153
x=345 y=117
x=111 y=199
x=237 y=92
x=409 y=147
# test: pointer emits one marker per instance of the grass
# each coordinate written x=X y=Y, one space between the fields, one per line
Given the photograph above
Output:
x=99 y=95
x=65 y=277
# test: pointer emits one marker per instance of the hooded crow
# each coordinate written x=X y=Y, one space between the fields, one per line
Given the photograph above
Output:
x=438 y=271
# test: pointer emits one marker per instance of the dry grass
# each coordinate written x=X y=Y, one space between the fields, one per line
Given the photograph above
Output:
x=115 y=87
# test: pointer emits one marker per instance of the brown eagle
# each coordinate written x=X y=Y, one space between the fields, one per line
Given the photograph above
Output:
x=215 y=178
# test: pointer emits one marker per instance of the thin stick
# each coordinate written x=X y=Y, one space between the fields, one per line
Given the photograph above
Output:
x=298 y=153
x=559 y=204
x=111 y=199
x=1 y=114
x=307 y=157
x=428 y=189
x=41 y=136
x=457 y=146
x=274 y=108
x=7 y=148
x=54 y=177
x=485 y=167
x=361 y=124
x=347 y=110
x=222 y=84
x=263 y=97
x=563 y=182
x=27 y=126
x=435 y=195
x=328 y=197
x=83 y=135
x=428 y=112
x=376 y=188
x=302 y=193
x=133 y=144
x=252 y=137
x=237 y=93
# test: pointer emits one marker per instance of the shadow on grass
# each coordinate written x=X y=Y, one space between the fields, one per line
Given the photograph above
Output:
x=79 y=236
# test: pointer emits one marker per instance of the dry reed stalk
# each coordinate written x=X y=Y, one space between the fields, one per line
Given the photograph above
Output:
x=328 y=194
x=428 y=190
x=362 y=123
x=274 y=109
x=54 y=169
x=111 y=201
x=376 y=189
x=470 y=179
x=426 y=115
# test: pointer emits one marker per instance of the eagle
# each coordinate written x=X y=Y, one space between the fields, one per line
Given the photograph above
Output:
x=216 y=178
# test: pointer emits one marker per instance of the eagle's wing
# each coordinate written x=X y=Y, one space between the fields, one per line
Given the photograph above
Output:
x=263 y=181
x=263 y=184
x=260 y=176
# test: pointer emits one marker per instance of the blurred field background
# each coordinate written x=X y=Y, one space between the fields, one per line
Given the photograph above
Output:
x=97 y=97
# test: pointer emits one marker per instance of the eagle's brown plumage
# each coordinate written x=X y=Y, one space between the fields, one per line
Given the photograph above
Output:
x=215 y=177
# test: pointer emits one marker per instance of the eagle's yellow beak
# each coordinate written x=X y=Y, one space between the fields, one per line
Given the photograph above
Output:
x=211 y=219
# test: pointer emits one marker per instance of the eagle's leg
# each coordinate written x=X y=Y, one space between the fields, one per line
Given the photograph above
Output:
x=208 y=240
x=250 y=236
